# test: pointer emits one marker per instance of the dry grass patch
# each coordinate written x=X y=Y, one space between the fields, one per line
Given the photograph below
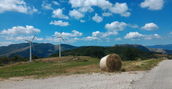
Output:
x=84 y=69
x=140 y=65
x=46 y=67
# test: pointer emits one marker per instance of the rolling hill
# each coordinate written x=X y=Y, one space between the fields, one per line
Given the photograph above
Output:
x=127 y=52
x=39 y=49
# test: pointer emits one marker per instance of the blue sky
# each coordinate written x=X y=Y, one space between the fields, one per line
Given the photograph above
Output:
x=86 y=22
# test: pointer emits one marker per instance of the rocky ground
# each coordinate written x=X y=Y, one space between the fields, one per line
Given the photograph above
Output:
x=79 y=81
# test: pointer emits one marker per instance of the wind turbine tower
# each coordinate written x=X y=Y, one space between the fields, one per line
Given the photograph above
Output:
x=60 y=40
x=30 y=43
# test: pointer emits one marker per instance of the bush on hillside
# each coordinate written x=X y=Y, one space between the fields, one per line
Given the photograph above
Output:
x=7 y=60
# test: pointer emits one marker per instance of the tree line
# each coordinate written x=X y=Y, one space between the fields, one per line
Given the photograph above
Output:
x=126 y=53
x=9 y=60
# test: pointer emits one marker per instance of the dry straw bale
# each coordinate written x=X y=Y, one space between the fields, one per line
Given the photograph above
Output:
x=111 y=63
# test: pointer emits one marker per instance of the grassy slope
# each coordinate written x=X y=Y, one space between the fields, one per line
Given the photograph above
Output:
x=45 y=67
x=140 y=65
x=54 y=66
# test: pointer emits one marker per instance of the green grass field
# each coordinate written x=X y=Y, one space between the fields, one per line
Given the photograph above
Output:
x=67 y=65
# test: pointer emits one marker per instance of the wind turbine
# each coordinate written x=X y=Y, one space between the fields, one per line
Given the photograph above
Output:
x=60 y=40
x=30 y=43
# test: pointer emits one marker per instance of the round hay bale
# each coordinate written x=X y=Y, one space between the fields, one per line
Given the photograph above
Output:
x=111 y=63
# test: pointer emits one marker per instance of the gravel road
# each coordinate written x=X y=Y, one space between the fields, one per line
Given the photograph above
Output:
x=158 y=78
x=78 y=81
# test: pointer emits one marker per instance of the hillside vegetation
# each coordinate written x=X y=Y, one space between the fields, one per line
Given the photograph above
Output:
x=126 y=52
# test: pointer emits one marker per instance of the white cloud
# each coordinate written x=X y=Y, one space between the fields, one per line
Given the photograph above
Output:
x=55 y=3
x=157 y=36
x=112 y=29
x=120 y=8
x=134 y=35
x=104 y=4
x=58 y=13
x=138 y=36
x=118 y=39
x=74 y=33
x=49 y=5
x=97 y=35
x=106 y=34
x=153 y=4
x=150 y=26
x=55 y=40
x=82 y=21
x=97 y=18
x=76 y=3
x=19 y=38
x=86 y=9
x=103 y=34
x=116 y=26
x=17 y=34
x=117 y=8
x=69 y=37
x=150 y=37
x=90 y=38
x=76 y=14
x=20 y=30
x=75 y=39
x=16 y=6
x=106 y=14
x=88 y=3
x=59 y=23
x=46 y=6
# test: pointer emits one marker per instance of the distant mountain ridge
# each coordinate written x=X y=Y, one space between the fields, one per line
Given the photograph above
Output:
x=148 y=49
x=166 y=47
x=141 y=47
x=47 y=49
x=39 y=49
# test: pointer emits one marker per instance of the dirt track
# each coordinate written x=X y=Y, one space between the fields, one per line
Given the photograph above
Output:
x=158 y=78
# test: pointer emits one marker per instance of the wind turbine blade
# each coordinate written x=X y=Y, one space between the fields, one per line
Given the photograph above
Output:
x=33 y=38
x=63 y=39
